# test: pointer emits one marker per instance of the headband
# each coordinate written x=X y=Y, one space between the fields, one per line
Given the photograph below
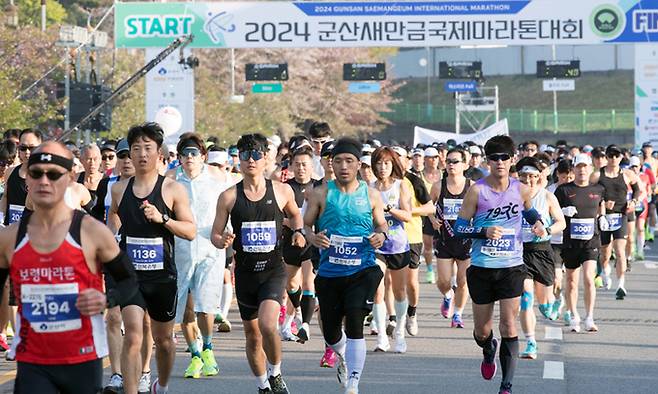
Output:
x=529 y=170
x=218 y=157
x=50 y=158
x=343 y=146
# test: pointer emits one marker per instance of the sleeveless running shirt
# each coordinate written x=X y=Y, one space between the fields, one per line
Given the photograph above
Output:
x=615 y=190
x=499 y=209
x=397 y=241
x=540 y=203
x=52 y=330
x=450 y=203
x=347 y=219
x=16 y=195
x=149 y=245
x=257 y=226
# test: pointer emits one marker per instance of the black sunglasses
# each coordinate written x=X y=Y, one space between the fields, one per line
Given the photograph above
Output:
x=190 y=151
x=51 y=175
x=499 y=157
x=254 y=154
x=25 y=148
x=612 y=155
x=123 y=155
x=107 y=157
x=453 y=161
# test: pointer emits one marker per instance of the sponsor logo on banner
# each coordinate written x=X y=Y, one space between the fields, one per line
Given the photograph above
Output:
x=607 y=21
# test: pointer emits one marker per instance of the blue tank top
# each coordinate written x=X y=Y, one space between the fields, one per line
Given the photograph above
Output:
x=347 y=219
x=499 y=209
x=540 y=203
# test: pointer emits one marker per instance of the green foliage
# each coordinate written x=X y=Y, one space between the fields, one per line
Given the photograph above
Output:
x=29 y=12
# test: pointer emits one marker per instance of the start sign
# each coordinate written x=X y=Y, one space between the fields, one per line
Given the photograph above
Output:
x=148 y=26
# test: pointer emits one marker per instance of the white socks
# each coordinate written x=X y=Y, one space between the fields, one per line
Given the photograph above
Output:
x=379 y=315
x=274 y=369
x=622 y=281
x=262 y=381
x=449 y=294
x=227 y=298
x=339 y=347
x=355 y=357
x=401 y=313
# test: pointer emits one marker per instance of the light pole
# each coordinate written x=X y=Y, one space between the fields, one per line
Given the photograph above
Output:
x=43 y=15
x=424 y=62
x=11 y=15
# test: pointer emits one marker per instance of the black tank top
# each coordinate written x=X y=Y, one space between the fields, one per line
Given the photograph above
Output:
x=258 y=229
x=149 y=245
x=453 y=204
x=16 y=191
x=615 y=190
x=299 y=189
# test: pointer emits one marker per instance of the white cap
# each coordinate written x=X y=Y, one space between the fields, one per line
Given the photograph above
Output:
x=431 y=152
x=367 y=148
x=275 y=140
x=529 y=170
x=634 y=162
x=582 y=158
x=417 y=152
x=218 y=157
x=475 y=150
x=367 y=160
x=400 y=151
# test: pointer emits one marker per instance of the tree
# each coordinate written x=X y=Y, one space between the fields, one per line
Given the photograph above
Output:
x=29 y=12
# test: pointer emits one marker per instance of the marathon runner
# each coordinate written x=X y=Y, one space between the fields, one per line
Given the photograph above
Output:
x=53 y=255
x=448 y=195
x=151 y=210
x=642 y=209
x=537 y=251
x=582 y=203
x=199 y=264
x=256 y=207
x=616 y=181
x=349 y=226
x=13 y=200
x=430 y=175
x=92 y=175
x=496 y=205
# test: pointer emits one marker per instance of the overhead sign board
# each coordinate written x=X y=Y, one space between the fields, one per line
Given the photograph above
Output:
x=266 y=72
x=279 y=24
x=460 y=70
x=460 y=86
x=559 y=85
x=558 y=68
x=364 y=71
x=646 y=94
x=267 y=88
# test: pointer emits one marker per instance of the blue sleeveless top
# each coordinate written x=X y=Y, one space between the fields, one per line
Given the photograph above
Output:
x=347 y=219
x=540 y=203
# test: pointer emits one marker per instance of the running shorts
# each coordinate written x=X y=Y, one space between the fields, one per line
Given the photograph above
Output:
x=252 y=288
x=557 y=255
x=452 y=248
x=159 y=299
x=415 y=251
x=574 y=258
x=488 y=285
x=395 y=261
x=341 y=294
x=428 y=229
x=82 y=378
x=538 y=258
x=620 y=233
x=204 y=280
x=293 y=255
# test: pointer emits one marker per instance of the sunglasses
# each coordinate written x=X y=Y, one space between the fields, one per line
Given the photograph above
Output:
x=25 y=148
x=107 y=157
x=499 y=157
x=321 y=142
x=51 y=175
x=123 y=155
x=254 y=154
x=612 y=155
x=453 y=161
x=194 y=152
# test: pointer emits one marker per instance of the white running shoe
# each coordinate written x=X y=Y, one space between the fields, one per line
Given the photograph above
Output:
x=352 y=386
x=400 y=344
x=304 y=333
x=574 y=326
x=341 y=370
x=590 y=326
x=607 y=281
x=390 y=327
x=144 y=386
x=412 y=325
x=383 y=346
x=287 y=335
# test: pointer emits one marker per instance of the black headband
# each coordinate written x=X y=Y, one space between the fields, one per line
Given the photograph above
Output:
x=343 y=146
x=50 y=158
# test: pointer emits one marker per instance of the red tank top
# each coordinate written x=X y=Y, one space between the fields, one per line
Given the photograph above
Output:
x=52 y=330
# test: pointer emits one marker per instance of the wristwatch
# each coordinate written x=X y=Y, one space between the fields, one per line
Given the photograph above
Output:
x=165 y=218
x=388 y=208
x=385 y=235
x=548 y=230
x=299 y=230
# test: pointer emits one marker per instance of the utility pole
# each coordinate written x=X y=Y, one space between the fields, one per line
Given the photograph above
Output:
x=555 y=120
x=43 y=15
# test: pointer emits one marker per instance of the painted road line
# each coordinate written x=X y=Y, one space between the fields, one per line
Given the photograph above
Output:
x=651 y=265
x=554 y=370
x=11 y=375
x=553 y=333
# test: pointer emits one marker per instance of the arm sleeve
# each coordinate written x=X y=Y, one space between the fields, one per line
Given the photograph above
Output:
x=98 y=211
x=421 y=192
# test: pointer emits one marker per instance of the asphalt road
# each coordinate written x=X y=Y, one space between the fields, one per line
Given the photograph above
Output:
x=621 y=358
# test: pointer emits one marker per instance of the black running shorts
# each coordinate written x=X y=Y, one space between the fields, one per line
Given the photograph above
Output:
x=488 y=285
x=557 y=255
x=620 y=233
x=452 y=248
x=538 y=258
x=82 y=378
x=415 y=251
x=395 y=261
x=573 y=258
x=341 y=294
x=252 y=288
x=160 y=299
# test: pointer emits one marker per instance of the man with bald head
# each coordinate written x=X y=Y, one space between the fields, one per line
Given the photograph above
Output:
x=52 y=255
x=92 y=175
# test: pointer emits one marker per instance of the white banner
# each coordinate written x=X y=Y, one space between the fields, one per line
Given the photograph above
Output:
x=169 y=85
x=646 y=94
x=427 y=136
x=284 y=24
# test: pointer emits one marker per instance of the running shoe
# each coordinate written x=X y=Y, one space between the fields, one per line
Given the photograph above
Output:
x=264 y=391
x=567 y=318
x=598 y=282
x=488 y=367
x=400 y=344
x=144 y=386
x=607 y=282
x=115 y=385
x=278 y=385
x=430 y=277
x=374 y=331
x=390 y=327
x=556 y=308
x=530 y=351
x=446 y=307
x=621 y=293
x=590 y=326
x=328 y=358
x=303 y=333
x=4 y=346
x=412 y=325
x=224 y=326
x=574 y=325
x=194 y=369
x=505 y=388
x=639 y=256
x=219 y=318
x=457 y=321
x=383 y=347
x=282 y=315
x=352 y=386
x=210 y=367
x=341 y=371
x=287 y=335
x=368 y=320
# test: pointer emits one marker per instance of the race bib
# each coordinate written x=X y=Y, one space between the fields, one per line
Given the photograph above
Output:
x=345 y=250
x=502 y=247
x=147 y=254
x=451 y=207
x=259 y=237
x=51 y=308
x=582 y=229
x=15 y=213
x=614 y=221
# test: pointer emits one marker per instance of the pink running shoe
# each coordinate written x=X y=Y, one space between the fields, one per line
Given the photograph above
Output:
x=446 y=307
x=488 y=366
x=328 y=358
x=282 y=315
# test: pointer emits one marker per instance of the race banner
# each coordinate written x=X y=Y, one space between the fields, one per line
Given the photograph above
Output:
x=646 y=94
x=280 y=24
x=428 y=136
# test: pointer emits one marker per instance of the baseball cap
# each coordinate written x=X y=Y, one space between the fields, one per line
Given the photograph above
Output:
x=647 y=144
x=367 y=148
x=475 y=150
x=582 y=158
x=417 y=152
x=613 y=149
x=108 y=145
x=588 y=148
x=598 y=152
x=634 y=162
x=122 y=145
x=367 y=160
x=217 y=157
x=233 y=151
x=327 y=148
x=431 y=152
x=400 y=151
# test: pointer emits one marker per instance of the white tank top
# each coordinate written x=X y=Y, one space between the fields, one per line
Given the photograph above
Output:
x=69 y=199
x=539 y=203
